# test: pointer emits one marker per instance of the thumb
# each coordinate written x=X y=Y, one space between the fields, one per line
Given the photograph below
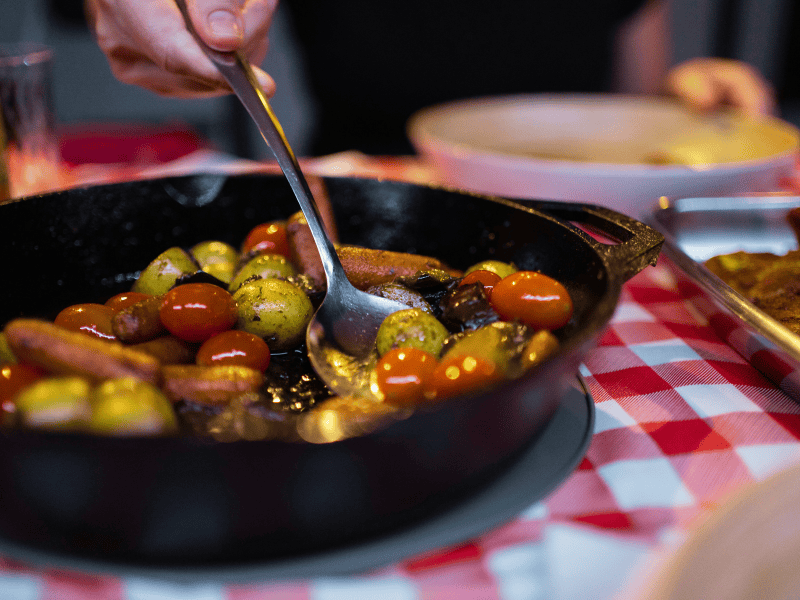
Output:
x=219 y=23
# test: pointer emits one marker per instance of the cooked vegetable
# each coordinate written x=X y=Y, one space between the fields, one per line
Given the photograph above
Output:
x=274 y=310
x=401 y=374
x=128 y=406
x=235 y=347
x=197 y=311
x=500 y=343
x=55 y=403
x=486 y=278
x=125 y=299
x=533 y=298
x=411 y=328
x=435 y=286
x=90 y=319
x=541 y=345
x=262 y=266
x=161 y=274
x=498 y=267
x=466 y=308
x=216 y=258
x=269 y=238
x=461 y=374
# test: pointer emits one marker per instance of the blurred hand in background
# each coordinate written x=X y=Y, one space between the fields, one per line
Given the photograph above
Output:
x=643 y=66
x=708 y=83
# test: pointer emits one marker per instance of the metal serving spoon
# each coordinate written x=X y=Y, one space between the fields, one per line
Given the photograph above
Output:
x=342 y=333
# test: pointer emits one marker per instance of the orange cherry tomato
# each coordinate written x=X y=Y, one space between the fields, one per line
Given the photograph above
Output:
x=532 y=298
x=267 y=237
x=237 y=348
x=487 y=278
x=125 y=299
x=92 y=319
x=401 y=374
x=13 y=379
x=195 y=312
x=460 y=375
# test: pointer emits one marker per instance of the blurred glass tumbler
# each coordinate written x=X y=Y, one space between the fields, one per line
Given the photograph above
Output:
x=28 y=140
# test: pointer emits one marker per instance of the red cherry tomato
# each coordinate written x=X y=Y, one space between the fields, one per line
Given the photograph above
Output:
x=267 y=237
x=237 y=348
x=532 y=298
x=195 y=312
x=487 y=278
x=92 y=319
x=401 y=374
x=13 y=379
x=460 y=375
x=125 y=299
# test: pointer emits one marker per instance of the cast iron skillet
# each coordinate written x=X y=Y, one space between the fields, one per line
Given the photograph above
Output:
x=179 y=501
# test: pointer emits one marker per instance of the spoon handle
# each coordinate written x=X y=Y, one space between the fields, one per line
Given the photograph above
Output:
x=239 y=75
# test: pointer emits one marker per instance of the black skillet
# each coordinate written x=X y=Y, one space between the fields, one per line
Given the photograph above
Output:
x=176 y=502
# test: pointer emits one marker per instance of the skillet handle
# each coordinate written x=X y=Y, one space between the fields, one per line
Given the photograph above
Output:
x=638 y=245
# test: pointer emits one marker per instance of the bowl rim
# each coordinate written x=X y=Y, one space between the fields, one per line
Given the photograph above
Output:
x=427 y=143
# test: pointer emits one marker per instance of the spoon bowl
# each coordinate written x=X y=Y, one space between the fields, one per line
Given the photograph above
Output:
x=341 y=336
x=342 y=333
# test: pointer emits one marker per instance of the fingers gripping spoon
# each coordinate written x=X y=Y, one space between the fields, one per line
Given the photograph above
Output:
x=348 y=319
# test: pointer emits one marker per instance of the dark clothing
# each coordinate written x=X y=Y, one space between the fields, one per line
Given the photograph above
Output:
x=779 y=40
x=788 y=79
x=372 y=63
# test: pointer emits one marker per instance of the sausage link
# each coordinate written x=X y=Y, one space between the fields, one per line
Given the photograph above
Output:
x=169 y=350
x=139 y=322
x=209 y=385
x=366 y=267
x=305 y=255
x=63 y=352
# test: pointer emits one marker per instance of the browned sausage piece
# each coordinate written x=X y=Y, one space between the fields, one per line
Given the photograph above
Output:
x=366 y=267
x=139 y=322
x=320 y=193
x=305 y=255
x=301 y=243
x=169 y=350
x=209 y=385
x=63 y=352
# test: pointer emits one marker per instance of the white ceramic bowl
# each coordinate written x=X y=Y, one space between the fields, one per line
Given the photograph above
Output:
x=618 y=151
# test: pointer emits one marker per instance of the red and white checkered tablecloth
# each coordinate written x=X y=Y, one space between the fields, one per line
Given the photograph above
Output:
x=682 y=421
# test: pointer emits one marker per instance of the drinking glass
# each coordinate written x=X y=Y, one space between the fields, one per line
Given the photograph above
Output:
x=28 y=138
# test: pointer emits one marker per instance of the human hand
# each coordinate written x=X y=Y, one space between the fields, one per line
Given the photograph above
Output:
x=708 y=83
x=147 y=43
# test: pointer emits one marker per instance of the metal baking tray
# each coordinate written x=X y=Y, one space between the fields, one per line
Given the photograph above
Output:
x=695 y=229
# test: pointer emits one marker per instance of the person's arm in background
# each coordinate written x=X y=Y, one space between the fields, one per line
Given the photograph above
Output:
x=643 y=60
x=147 y=44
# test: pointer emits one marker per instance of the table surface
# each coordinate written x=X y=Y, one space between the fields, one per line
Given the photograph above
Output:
x=682 y=421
